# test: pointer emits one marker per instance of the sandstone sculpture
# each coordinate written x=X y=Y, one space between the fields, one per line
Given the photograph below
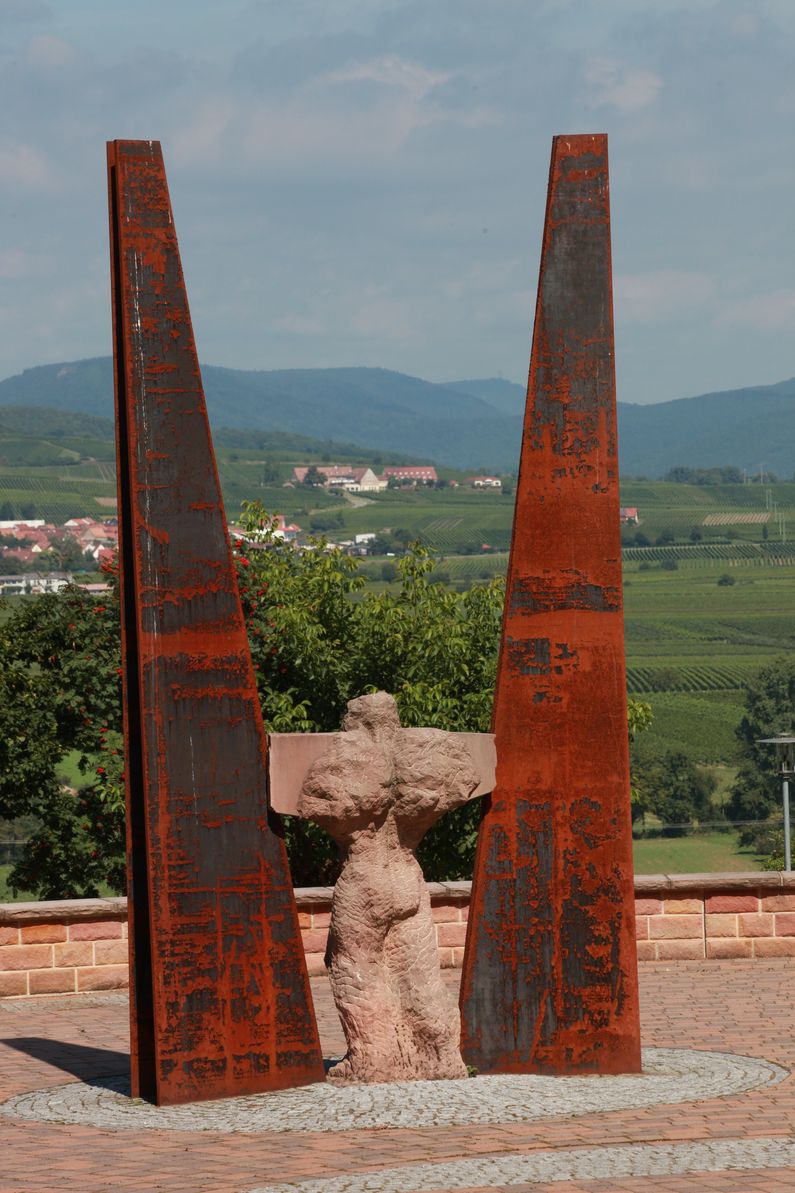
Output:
x=377 y=790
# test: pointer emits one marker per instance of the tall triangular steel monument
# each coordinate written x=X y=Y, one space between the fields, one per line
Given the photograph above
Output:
x=220 y=1001
x=550 y=972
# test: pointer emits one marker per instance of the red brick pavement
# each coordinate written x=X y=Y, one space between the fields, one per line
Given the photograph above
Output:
x=738 y=1006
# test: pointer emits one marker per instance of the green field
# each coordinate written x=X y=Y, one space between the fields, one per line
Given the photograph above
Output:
x=708 y=852
x=6 y=895
x=702 y=853
x=694 y=640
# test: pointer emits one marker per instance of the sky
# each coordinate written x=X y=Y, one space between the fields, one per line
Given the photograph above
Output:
x=362 y=182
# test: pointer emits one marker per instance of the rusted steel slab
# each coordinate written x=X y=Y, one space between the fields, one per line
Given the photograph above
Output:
x=220 y=1003
x=549 y=980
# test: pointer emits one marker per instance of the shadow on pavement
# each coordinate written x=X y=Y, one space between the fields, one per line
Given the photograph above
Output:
x=88 y=1064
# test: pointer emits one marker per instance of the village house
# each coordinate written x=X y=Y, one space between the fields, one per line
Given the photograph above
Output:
x=289 y=531
x=342 y=476
x=483 y=482
x=411 y=474
x=32 y=539
x=30 y=583
x=90 y=531
x=629 y=515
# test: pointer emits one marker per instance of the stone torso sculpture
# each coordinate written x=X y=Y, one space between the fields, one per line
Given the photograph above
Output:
x=377 y=790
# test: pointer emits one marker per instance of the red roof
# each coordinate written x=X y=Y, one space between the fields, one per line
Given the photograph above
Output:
x=411 y=472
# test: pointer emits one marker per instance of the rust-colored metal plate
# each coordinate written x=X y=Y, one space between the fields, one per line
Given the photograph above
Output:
x=550 y=972
x=220 y=1003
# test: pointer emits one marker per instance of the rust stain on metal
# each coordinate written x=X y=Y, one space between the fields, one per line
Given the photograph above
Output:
x=550 y=974
x=220 y=998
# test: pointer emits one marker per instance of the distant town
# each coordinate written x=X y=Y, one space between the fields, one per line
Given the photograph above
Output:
x=365 y=480
x=38 y=556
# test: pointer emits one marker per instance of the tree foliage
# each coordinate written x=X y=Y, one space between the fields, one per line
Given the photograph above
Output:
x=728 y=475
x=317 y=640
x=677 y=792
x=60 y=690
x=769 y=710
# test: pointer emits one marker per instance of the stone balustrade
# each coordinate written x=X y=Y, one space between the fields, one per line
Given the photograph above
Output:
x=79 y=945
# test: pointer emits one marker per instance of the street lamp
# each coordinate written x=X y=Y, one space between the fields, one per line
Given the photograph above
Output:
x=785 y=757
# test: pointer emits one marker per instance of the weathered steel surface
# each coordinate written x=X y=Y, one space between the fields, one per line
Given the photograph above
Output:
x=550 y=974
x=220 y=996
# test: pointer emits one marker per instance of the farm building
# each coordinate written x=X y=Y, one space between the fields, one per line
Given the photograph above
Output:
x=417 y=474
x=342 y=476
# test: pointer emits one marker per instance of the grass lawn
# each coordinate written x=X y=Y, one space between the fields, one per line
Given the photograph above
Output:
x=702 y=853
x=69 y=772
x=6 y=895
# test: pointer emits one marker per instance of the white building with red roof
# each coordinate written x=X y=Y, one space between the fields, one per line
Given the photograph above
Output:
x=342 y=476
x=417 y=474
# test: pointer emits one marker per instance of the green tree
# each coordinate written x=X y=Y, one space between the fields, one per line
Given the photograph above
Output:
x=313 y=477
x=60 y=691
x=639 y=719
x=316 y=642
x=678 y=792
x=769 y=710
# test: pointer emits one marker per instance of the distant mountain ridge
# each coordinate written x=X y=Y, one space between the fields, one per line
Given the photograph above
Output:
x=464 y=424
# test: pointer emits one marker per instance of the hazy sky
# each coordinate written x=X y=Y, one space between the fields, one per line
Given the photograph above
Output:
x=363 y=181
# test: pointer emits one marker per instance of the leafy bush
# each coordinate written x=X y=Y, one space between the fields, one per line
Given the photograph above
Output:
x=769 y=710
x=676 y=791
x=313 y=649
x=316 y=639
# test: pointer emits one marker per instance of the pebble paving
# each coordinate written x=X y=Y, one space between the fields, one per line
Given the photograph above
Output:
x=549 y=1167
x=670 y=1075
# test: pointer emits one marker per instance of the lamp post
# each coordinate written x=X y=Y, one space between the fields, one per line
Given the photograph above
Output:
x=785 y=757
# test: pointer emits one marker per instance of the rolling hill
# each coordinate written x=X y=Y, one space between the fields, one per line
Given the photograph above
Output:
x=462 y=424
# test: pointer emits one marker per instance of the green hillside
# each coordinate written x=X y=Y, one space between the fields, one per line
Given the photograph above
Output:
x=461 y=424
x=373 y=408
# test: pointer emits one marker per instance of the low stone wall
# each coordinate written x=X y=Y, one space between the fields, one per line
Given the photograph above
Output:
x=64 y=947
x=690 y=917
x=81 y=944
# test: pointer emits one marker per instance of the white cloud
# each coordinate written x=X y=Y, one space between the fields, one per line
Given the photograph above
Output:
x=47 y=52
x=384 y=318
x=762 y=312
x=744 y=24
x=661 y=293
x=200 y=140
x=300 y=325
x=16 y=264
x=613 y=85
x=24 y=167
x=391 y=71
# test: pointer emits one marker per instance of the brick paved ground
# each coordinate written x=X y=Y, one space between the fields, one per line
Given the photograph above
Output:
x=745 y=1007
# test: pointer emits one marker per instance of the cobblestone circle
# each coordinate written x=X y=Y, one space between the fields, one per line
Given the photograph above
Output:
x=670 y=1076
x=547 y=1167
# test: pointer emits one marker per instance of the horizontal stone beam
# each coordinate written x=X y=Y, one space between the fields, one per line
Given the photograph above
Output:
x=290 y=756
